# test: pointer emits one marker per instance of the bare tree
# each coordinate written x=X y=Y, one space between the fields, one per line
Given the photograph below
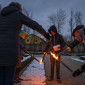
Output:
x=0 y=7
x=66 y=37
x=71 y=22
x=52 y=19
x=28 y=13
x=78 y=18
x=60 y=19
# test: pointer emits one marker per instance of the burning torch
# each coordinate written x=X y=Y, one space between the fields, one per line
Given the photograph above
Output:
x=32 y=56
x=55 y=55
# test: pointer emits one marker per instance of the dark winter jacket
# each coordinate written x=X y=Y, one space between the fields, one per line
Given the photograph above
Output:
x=82 y=35
x=11 y=20
x=55 y=40
x=75 y=43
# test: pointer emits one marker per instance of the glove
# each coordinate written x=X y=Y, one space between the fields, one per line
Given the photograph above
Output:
x=47 y=36
x=76 y=73
x=45 y=53
x=68 y=48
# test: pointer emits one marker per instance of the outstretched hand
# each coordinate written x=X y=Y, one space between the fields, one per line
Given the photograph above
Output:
x=68 y=48
x=76 y=73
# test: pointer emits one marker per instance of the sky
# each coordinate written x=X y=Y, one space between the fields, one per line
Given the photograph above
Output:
x=41 y=9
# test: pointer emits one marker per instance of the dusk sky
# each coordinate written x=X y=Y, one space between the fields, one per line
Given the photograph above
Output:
x=41 y=9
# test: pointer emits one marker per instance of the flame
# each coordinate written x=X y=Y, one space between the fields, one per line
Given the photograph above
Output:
x=56 y=57
x=40 y=61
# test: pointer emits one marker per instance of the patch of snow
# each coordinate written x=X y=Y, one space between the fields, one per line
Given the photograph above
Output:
x=82 y=61
x=34 y=74
x=83 y=56
x=25 y=58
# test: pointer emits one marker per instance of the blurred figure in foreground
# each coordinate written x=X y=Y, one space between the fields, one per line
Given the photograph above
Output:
x=11 y=21
x=79 y=34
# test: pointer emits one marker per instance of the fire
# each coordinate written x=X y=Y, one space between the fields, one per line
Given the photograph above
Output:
x=56 y=57
x=40 y=61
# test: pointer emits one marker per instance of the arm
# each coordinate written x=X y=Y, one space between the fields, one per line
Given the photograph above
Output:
x=79 y=71
x=47 y=47
x=82 y=68
x=73 y=44
x=34 y=25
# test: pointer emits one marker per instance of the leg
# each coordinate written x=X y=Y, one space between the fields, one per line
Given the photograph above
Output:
x=58 y=69
x=52 y=66
x=2 y=75
x=9 y=75
x=17 y=72
x=18 y=67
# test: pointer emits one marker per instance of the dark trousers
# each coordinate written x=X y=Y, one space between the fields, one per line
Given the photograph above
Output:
x=53 y=63
x=7 y=75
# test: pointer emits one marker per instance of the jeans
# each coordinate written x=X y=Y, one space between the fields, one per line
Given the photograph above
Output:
x=7 y=75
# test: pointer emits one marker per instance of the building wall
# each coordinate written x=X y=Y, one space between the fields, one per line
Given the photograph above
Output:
x=35 y=43
x=32 y=39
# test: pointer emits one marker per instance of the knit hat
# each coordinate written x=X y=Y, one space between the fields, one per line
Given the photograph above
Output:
x=77 y=28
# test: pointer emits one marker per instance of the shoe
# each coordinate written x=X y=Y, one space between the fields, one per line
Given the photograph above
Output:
x=21 y=79
x=50 y=79
x=17 y=81
x=58 y=80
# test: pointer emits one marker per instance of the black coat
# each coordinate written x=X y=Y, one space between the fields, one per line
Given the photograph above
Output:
x=11 y=20
x=82 y=35
x=55 y=40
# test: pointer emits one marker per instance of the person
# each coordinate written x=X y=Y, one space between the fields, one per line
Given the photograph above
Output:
x=79 y=34
x=56 y=43
x=11 y=21
x=22 y=36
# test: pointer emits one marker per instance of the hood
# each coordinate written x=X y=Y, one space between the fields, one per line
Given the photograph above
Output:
x=8 y=10
x=77 y=28
x=52 y=28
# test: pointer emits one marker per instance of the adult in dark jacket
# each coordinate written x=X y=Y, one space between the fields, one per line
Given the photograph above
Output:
x=11 y=21
x=79 y=34
x=56 y=43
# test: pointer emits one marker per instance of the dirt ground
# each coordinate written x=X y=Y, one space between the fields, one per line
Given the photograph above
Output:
x=66 y=75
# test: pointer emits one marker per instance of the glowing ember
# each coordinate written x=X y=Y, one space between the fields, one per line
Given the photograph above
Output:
x=56 y=57
x=40 y=61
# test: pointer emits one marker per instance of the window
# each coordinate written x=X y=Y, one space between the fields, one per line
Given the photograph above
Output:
x=27 y=40
x=35 y=40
